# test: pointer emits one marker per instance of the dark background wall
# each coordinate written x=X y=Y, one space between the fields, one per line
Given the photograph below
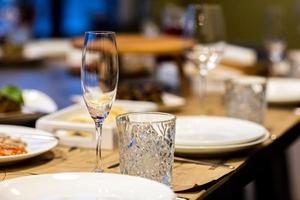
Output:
x=245 y=19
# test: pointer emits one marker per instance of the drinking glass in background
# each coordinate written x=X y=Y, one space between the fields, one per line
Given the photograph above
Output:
x=274 y=40
x=205 y=24
x=245 y=98
x=146 y=145
x=172 y=19
x=294 y=60
x=99 y=79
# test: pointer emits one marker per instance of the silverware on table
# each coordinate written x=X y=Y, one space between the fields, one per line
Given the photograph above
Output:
x=180 y=159
x=114 y=165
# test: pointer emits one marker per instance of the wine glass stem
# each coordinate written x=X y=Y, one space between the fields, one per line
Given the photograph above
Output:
x=202 y=92
x=98 y=147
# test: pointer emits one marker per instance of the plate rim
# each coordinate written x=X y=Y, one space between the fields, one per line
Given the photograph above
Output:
x=168 y=190
x=207 y=150
x=19 y=157
x=226 y=143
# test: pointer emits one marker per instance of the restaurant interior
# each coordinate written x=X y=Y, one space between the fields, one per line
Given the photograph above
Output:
x=149 y=99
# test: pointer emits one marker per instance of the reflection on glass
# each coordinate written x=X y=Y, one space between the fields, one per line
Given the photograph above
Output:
x=99 y=79
x=146 y=145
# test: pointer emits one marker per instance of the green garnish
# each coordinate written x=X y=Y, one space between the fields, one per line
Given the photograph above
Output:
x=12 y=93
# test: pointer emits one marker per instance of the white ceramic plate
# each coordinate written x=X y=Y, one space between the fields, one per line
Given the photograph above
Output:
x=136 y=106
x=36 y=104
x=171 y=102
x=283 y=90
x=37 y=142
x=218 y=150
x=216 y=131
x=84 y=186
x=57 y=123
x=37 y=101
x=47 y=48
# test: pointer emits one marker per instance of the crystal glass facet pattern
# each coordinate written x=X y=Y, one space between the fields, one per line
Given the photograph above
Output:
x=146 y=145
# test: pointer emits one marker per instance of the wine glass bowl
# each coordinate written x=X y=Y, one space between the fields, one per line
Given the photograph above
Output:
x=99 y=79
x=204 y=23
x=275 y=39
x=206 y=57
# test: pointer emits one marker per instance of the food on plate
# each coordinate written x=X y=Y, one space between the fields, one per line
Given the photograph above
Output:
x=85 y=118
x=11 y=146
x=80 y=119
x=11 y=99
x=140 y=92
x=85 y=134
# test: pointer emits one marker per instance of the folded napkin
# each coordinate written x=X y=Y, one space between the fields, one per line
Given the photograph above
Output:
x=239 y=56
x=47 y=48
x=188 y=175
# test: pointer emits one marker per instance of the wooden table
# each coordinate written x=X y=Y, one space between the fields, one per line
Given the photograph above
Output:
x=283 y=123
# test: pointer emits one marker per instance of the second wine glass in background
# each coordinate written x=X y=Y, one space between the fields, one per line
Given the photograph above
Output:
x=275 y=40
x=99 y=79
x=204 y=23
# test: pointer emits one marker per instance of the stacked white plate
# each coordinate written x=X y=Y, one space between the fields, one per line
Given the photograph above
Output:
x=216 y=135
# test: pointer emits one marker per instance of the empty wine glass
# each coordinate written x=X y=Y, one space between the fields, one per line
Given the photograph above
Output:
x=274 y=39
x=99 y=79
x=205 y=24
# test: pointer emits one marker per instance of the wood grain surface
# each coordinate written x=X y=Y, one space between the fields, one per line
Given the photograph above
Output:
x=140 y=44
x=189 y=180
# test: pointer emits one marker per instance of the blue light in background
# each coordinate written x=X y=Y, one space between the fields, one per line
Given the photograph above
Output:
x=78 y=15
x=72 y=17
x=43 y=23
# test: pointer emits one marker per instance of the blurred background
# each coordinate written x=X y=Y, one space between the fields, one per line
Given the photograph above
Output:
x=263 y=38
x=245 y=21
x=271 y=27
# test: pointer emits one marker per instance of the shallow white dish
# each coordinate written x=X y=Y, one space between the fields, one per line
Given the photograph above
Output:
x=218 y=150
x=216 y=131
x=37 y=142
x=37 y=101
x=84 y=186
x=171 y=102
x=136 y=106
x=283 y=90
x=58 y=124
